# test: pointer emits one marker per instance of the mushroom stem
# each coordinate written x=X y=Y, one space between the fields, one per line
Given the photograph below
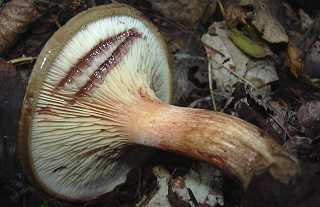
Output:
x=235 y=146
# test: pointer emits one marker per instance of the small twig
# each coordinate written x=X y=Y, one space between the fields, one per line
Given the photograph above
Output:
x=22 y=60
x=211 y=88
x=221 y=8
x=181 y=56
x=285 y=125
x=238 y=76
x=179 y=26
x=140 y=180
x=146 y=199
x=213 y=49
x=280 y=125
x=193 y=198
x=55 y=19
x=196 y=102
x=20 y=194
x=241 y=78
x=231 y=71
x=227 y=103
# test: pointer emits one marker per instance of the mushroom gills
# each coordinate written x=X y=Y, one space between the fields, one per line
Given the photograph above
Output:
x=77 y=137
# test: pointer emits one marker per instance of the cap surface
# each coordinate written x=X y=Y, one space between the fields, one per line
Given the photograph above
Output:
x=72 y=142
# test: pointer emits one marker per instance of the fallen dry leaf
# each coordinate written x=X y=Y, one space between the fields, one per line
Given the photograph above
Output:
x=202 y=186
x=229 y=65
x=261 y=73
x=309 y=114
x=185 y=11
x=223 y=56
x=265 y=22
x=235 y=13
x=294 y=60
x=306 y=20
x=217 y=50
x=312 y=64
x=15 y=18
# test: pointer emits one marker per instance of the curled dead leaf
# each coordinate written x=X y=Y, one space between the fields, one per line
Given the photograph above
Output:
x=265 y=20
x=234 y=13
x=294 y=59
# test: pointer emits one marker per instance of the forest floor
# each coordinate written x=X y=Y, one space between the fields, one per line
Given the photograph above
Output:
x=277 y=89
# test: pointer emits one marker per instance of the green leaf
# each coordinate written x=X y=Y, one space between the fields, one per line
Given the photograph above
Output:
x=247 y=45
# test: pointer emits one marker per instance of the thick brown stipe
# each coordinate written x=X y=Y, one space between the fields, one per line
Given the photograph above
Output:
x=89 y=57
x=225 y=141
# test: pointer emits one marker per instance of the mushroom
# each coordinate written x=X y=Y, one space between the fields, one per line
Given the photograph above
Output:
x=101 y=89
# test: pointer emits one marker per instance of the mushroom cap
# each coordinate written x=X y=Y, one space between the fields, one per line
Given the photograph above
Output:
x=71 y=142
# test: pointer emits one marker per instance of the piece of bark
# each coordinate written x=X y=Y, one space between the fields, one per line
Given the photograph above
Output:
x=15 y=18
x=12 y=87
